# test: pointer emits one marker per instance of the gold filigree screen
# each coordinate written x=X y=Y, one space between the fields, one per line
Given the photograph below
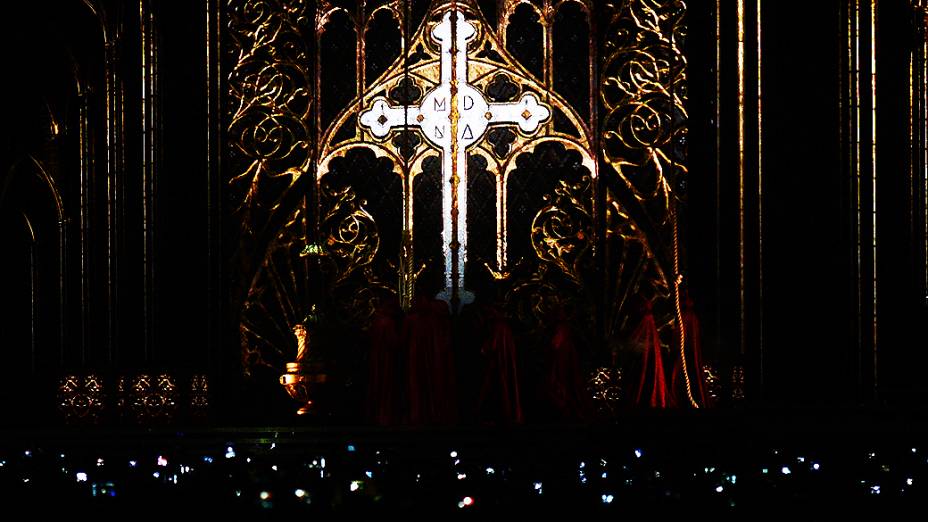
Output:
x=572 y=211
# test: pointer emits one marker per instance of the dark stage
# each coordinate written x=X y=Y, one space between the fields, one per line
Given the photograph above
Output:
x=463 y=256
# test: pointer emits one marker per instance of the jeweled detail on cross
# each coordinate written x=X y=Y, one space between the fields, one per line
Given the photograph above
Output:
x=435 y=117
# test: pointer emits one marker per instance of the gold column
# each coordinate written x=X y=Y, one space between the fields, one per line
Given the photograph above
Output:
x=760 y=197
x=741 y=139
x=873 y=174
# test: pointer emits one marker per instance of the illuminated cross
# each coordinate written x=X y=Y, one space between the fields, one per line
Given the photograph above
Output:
x=453 y=116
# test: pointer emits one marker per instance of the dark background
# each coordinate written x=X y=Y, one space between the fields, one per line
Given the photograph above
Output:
x=107 y=302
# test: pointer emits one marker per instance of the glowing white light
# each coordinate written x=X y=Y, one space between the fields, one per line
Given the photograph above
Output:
x=914 y=450
x=801 y=459
x=607 y=499
x=209 y=460
x=300 y=493
x=764 y=471
x=28 y=453
x=273 y=445
x=322 y=463
x=81 y=477
x=472 y=115
x=274 y=467
x=908 y=481
x=604 y=474
x=264 y=495
x=785 y=470
x=638 y=453
x=230 y=453
x=162 y=461
x=874 y=490
x=490 y=471
x=132 y=463
x=719 y=489
x=156 y=474
x=537 y=486
x=462 y=476
x=369 y=474
x=816 y=466
x=248 y=460
x=582 y=465
x=465 y=502
x=355 y=485
x=454 y=454
x=351 y=448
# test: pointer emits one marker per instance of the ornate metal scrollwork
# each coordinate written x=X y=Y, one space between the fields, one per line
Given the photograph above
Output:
x=199 y=396
x=270 y=98
x=348 y=230
x=149 y=398
x=605 y=385
x=562 y=231
x=270 y=137
x=277 y=299
x=643 y=93
x=80 y=398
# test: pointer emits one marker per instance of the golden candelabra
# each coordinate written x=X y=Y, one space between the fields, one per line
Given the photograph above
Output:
x=301 y=378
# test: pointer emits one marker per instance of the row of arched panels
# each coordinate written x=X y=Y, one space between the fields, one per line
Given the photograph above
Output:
x=378 y=187
x=349 y=64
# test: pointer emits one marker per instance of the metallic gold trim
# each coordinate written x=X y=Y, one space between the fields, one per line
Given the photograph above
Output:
x=85 y=194
x=455 y=178
x=717 y=15
x=741 y=139
x=151 y=122
x=873 y=180
x=81 y=398
x=855 y=129
x=760 y=198
x=642 y=91
x=923 y=126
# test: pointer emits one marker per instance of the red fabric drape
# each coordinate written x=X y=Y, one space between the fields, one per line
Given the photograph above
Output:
x=693 y=350
x=652 y=384
x=427 y=337
x=499 y=392
x=384 y=339
x=563 y=382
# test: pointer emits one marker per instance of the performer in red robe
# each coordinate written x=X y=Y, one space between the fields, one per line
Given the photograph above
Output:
x=384 y=339
x=563 y=382
x=431 y=384
x=652 y=383
x=499 y=400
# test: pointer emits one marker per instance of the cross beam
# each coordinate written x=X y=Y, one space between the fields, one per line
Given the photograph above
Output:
x=453 y=116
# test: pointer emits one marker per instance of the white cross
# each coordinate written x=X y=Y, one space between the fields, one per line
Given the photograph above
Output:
x=436 y=117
